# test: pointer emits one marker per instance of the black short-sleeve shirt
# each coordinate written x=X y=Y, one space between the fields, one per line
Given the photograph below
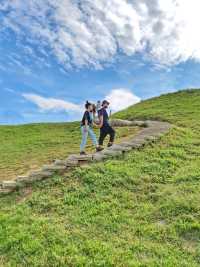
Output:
x=86 y=116
x=103 y=112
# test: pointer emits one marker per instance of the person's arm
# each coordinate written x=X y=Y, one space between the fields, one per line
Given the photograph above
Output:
x=100 y=121
x=100 y=114
x=86 y=125
x=85 y=122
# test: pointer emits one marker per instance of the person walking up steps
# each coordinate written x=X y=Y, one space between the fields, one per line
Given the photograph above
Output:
x=105 y=128
x=87 y=128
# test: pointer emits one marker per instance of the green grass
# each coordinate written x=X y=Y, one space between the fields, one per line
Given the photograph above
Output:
x=142 y=209
x=27 y=147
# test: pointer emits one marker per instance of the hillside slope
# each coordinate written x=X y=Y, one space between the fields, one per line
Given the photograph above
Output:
x=27 y=147
x=141 y=210
x=181 y=108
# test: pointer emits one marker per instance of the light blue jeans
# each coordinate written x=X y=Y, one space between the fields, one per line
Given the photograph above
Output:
x=85 y=135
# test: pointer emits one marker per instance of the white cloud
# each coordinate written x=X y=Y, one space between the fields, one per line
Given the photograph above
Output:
x=52 y=104
x=121 y=98
x=92 y=32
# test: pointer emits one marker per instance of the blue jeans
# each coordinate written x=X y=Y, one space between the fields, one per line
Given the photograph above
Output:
x=85 y=135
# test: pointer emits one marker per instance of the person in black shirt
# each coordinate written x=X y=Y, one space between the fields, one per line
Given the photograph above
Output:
x=105 y=128
x=87 y=128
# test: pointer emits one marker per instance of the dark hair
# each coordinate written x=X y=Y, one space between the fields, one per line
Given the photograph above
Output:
x=94 y=108
x=105 y=102
x=87 y=104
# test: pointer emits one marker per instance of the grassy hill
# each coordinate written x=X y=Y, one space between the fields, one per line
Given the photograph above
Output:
x=141 y=210
x=28 y=147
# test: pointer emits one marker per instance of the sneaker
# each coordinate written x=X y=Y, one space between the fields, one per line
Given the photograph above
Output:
x=99 y=149
x=109 y=144
x=82 y=153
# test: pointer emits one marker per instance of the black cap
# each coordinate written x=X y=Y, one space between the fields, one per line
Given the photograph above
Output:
x=105 y=102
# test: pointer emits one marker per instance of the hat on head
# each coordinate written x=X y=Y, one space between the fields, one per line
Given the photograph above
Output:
x=105 y=102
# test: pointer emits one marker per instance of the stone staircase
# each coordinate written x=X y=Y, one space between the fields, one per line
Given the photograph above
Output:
x=150 y=131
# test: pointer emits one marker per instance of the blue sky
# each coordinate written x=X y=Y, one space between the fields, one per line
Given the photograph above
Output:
x=51 y=62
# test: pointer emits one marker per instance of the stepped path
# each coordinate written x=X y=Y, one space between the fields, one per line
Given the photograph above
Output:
x=150 y=131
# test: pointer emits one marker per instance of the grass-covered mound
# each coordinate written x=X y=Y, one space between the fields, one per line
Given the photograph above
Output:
x=140 y=210
x=28 y=147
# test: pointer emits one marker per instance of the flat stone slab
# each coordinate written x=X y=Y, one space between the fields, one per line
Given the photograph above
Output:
x=22 y=180
x=111 y=153
x=8 y=184
x=124 y=123
x=120 y=148
x=99 y=156
x=53 y=167
x=80 y=157
x=66 y=163
x=133 y=144
x=6 y=191
x=39 y=175
x=120 y=123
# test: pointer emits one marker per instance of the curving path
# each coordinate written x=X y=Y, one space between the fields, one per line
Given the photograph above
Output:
x=152 y=130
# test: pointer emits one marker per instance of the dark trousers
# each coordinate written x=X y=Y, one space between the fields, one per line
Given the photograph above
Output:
x=104 y=131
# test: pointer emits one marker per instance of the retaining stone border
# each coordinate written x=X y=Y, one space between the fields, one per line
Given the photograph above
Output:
x=152 y=131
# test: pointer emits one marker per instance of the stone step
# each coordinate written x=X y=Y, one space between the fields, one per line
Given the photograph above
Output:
x=80 y=158
x=127 y=123
x=111 y=153
x=120 y=123
x=8 y=184
x=54 y=168
x=22 y=180
x=99 y=156
x=66 y=163
x=120 y=148
x=134 y=144
x=6 y=191
x=39 y=175
x=33 y=177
